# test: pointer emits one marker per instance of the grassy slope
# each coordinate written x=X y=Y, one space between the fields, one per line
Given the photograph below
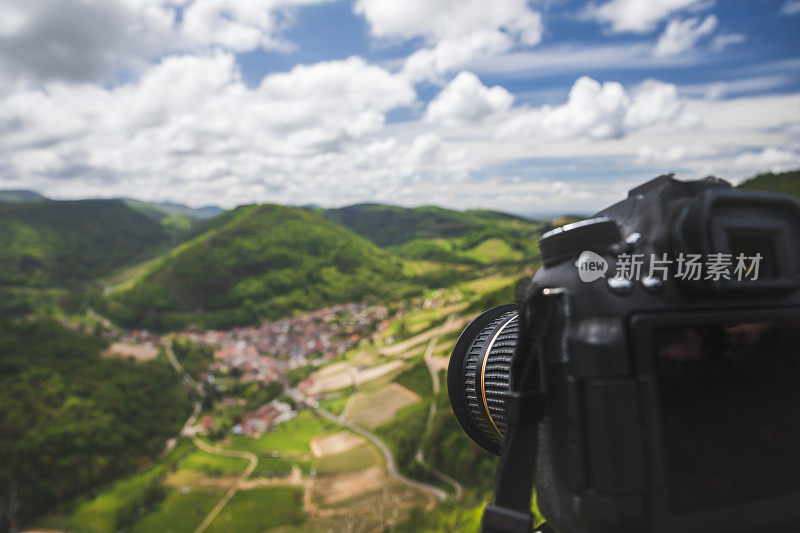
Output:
x=61 y=243
x=264 y=260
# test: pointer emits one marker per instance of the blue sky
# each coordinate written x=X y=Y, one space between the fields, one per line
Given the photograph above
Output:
x=536 y=107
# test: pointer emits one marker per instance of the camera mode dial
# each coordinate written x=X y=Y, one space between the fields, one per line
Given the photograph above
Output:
x=567 y=242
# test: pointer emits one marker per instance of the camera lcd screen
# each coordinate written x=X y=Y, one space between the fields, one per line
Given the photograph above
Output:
x=730 y=402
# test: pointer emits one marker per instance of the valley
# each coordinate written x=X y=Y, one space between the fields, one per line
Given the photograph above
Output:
x=270 y=368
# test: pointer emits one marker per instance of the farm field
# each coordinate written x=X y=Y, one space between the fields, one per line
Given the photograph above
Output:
x=260 y=509
x=371 y=409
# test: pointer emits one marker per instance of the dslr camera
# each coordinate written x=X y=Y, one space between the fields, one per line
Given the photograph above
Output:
x=647 y=379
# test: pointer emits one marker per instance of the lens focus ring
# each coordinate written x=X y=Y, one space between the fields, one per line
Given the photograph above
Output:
x=487 y=374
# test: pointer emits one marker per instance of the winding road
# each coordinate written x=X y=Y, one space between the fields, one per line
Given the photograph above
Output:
x=192 y=383
x=458 y=489
x=233 y=488
x=391 y=467
x=387 y=455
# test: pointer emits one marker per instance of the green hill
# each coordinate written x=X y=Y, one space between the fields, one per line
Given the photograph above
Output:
x=785 y=182
x=13 y=196
x=179 y=221
x=256 y=261
x=444 y=235
x=59 y=243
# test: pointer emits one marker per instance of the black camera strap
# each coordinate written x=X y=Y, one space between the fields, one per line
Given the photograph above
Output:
x=525 y=407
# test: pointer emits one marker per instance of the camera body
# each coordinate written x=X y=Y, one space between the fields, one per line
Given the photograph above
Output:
x=671 y=400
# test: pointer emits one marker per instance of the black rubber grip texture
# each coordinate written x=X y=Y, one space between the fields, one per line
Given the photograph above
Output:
x=496 y=376
x=496 y=379
x=569 y=241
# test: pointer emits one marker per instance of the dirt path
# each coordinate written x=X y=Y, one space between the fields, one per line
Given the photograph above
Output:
x=236 y=485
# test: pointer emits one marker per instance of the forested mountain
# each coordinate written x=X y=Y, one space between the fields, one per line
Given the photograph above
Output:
x=258 y=260
x=437 y=234
x=161 y=210
x=388 y=225
x=71 y=419
x=785 y=182
x=179 y=221
x=57 y=243
x=14 y=196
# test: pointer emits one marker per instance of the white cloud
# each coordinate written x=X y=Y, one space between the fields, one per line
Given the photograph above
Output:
x=89 y=40
x=190 y=123
x=639 y=16
x=727 y=89
x=456 y=31
x=443 y=19
x=654 y=102
x=678 y=153
x=448 y=55
x=791 y=8
x=681 y=36
x=773 y=158
x=466 y=100
x=722 y=41
x=600 y=111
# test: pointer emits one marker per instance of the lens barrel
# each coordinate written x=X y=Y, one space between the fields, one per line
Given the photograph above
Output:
x=479 y=374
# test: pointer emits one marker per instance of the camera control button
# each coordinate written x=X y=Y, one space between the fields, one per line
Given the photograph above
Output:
x=620 y=286
x=653 y=284
x=633 y=238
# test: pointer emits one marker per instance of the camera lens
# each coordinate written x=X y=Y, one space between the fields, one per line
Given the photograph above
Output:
x=479 y=374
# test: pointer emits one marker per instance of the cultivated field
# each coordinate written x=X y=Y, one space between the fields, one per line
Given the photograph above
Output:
x=347 y=376
x=371 y=409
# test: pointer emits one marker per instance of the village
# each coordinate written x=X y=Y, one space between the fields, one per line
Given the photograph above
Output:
x=266 y=353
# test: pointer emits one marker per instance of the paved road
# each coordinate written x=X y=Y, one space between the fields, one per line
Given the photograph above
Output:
x=186 y=430
x=387 y=454
x=189 y=380
x=235 y=487
x=420 y=455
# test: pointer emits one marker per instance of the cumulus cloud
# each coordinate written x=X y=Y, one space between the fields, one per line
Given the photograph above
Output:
x=190 y=120
x=466 y=101
x=456 y=31
x=76 y=39
x=88 y=40
x=407 y=19
x=433 y=64
x=639 y=16
x=681 y=36
x=600 y=111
